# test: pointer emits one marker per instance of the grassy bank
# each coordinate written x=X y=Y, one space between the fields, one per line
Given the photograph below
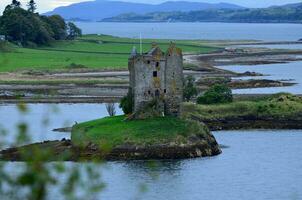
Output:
x=114 y=131
x=91 y=51
x=278 y=111
x=283 y=106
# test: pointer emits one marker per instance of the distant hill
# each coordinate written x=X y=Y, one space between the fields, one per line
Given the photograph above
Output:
x=291 y=13
x=100 y=9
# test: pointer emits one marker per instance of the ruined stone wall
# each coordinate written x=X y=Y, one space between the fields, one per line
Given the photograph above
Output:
x=174 y=80
x=147 y=86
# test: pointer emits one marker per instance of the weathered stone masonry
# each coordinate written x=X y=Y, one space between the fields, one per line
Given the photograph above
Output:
x=157 y=75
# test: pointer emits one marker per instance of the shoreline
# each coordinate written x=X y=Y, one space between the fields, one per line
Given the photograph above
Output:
x=94 y=86
x=205 y=21
x=192 y=146
x=93 y=100
x=252 y=123
x=65 y=151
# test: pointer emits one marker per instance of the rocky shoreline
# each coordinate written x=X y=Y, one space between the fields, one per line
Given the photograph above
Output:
x=206 y=83
x=251 y=122
x=247 y=56
x=65 y=151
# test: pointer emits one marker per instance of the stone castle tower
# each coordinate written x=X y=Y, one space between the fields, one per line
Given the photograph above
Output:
x=157 y=75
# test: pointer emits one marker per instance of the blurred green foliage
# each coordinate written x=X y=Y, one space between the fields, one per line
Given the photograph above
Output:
x=34 y=179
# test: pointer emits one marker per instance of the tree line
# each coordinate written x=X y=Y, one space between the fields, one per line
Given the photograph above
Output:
x=26 y=27
x=277 y=14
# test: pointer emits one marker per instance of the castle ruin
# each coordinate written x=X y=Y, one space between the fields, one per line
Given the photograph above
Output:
x=157 y=76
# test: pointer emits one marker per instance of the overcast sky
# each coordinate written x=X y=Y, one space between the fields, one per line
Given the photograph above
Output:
x=47 y=5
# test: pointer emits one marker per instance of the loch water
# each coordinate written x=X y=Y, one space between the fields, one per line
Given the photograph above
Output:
x=289 y=72
x=203 y=31
x=254 y=164
x=41 y=119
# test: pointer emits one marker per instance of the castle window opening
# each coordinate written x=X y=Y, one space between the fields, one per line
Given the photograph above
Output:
x=148 y=61
x=157 y=64
x=154 y=73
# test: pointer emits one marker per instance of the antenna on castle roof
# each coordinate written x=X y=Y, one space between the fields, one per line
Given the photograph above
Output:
x=141 y=43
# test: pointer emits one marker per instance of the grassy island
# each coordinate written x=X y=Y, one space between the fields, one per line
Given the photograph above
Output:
x=116 y=131
x=113 y=138
x=154 y=138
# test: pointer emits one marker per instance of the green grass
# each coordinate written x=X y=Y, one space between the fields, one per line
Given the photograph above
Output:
x=35 y=59
x=114 y=131
x=92 y=51
x=64 y=81
x=284 y=106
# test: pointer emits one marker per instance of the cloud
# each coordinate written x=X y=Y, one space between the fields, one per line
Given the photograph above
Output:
x=57 y=3
x=43 y=5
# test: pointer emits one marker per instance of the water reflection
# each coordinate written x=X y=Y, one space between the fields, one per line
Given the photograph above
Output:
x=153 y=167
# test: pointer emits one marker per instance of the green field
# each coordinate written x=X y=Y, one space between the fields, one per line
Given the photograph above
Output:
x=91 y=51
x=114 y=131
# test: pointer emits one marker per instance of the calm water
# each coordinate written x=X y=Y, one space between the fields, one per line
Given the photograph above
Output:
x=206 y=31
x=56 y=116
x=288 y=71
x=274 y=46
x=255 y=165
